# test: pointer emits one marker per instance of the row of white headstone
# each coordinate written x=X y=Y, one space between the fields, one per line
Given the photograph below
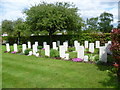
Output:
x=63 y=48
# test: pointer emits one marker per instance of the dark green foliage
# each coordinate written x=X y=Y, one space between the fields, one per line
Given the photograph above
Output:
x=70 y=49
x=41 y=52
x=105 y=22
x=27 y=51
x=7 y=26
x=103 y=38
x=40 y=47
x=53 y=17
x=92 y=25
x=54 y=53
x=118 y=26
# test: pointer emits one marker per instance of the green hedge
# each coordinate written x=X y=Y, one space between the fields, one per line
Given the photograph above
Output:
x=70 y=38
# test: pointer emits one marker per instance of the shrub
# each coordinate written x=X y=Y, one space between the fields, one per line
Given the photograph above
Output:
x=42 y=52
x=115 y=48
x=103 y=38
x=39 y=47
x=27 y=51
x=70 y=49
x=54 y=53
x=19 y=51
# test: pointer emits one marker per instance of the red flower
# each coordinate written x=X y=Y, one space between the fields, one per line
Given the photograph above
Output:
x=116 y=65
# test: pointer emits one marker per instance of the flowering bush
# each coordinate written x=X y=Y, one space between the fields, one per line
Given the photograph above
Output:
x=43 y=48
x=77 y=59
x=115 y=48
x=13 y=52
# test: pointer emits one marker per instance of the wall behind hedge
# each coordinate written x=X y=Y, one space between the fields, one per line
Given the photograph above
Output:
x=70 y=38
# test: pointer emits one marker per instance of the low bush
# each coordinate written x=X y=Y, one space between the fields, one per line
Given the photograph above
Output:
x=41 y=52
x=70 y=49
x=27 y=51
x=54 y=53
x=40 y=47
x=103 y=38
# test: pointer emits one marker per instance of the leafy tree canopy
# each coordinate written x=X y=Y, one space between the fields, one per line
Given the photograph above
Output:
x=105 y=22
x=7 y=26
x=53 y=17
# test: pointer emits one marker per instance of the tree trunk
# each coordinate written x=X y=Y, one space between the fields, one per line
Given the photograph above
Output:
x=118 y=74
x=50 y=35
x=18 y=38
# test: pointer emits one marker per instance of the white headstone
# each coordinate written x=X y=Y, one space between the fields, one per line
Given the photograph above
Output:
x=109 y=42
x=91 y=47
x=80 y=52
x=77 y=46
x=75 y=43
x=36 y=43
x=97 y=44
x=86 y=58
x=24 y=47
x=66 y=45
x=62 y=51
x=47 y=50
x=34 y=49
x=102 y=54
x=86 y=44
x=66 y=56
x=29 y=44
x=37 y=55
x=58 y=43
x=7 y=47
x=44 y=43
x=30 y=53
x=15 y=48
x=54 y=45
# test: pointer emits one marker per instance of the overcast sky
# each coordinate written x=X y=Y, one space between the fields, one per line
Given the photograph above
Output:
x=12 y=9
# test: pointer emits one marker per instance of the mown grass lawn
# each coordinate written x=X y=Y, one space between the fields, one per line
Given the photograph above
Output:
x=20 y=71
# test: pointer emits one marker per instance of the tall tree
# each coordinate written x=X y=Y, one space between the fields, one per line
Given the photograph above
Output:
x=105 y=22
x=7 y=26
x=53 y=17
x=92 y=24
x=118 y=26
x=20 y=28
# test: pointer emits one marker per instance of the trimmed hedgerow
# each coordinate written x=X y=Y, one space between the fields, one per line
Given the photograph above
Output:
x=91 y=37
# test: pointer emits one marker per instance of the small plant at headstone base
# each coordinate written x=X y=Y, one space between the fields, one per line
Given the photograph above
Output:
x=77 y=60
x=20 y=46
x=70 y=49
x=41 y=52
x=39 y=47
x=115 y=48
x=96 y=51
x=43 y=48
x=27 y=51
x=13 y=52
x=54 y=53
x=19 y=51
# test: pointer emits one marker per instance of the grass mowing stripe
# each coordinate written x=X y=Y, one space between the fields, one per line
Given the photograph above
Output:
x=67 y=79
x=22 y=71
x=16 y=81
